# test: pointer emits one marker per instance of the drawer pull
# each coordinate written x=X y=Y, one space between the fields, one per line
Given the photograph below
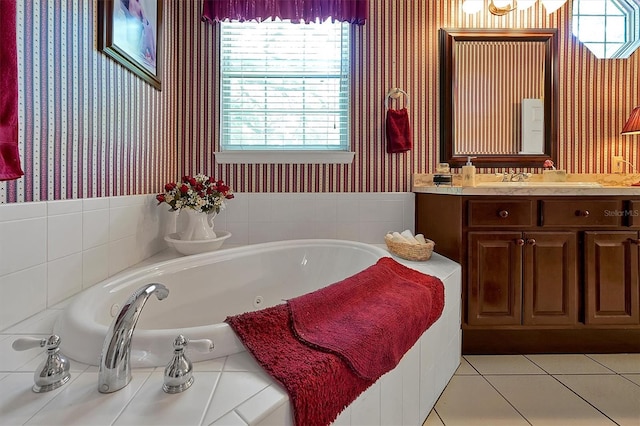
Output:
x=520 y=242
x=503 y=214
x=582 y=213
x=636 y=242
x=531 y=241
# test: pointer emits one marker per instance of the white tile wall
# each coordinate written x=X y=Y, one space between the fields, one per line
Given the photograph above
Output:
x=50 y=251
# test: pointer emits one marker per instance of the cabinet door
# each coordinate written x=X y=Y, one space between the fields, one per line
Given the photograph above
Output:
x=633 y=214
x=611 y=278
x=550 y=282
x=494 y=278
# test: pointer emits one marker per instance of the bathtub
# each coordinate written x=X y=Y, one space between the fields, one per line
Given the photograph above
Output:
x=234 y=389
x=203 y=290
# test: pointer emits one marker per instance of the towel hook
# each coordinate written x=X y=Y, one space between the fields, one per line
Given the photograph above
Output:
x=395 y=93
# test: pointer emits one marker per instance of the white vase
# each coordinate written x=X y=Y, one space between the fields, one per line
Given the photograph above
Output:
x=199 y=226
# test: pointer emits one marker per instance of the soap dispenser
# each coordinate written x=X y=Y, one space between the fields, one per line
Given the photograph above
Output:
x=469 y=173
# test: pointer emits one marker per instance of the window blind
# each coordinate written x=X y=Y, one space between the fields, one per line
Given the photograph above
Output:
x=284 y=86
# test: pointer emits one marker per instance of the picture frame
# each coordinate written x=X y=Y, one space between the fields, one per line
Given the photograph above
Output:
x=130 y=32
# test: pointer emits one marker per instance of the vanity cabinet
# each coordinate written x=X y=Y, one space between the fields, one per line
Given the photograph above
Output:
x=611 y=278
x=541 y=274
x=523 y=278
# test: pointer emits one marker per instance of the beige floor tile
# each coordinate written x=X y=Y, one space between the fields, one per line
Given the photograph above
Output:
x=465 y=369
x=613 y=395
x=503 y=364
x=620 y=363
x=543 y=401
x=471 y=400
x=635 y=378
x=569 y=364
x=433 y=419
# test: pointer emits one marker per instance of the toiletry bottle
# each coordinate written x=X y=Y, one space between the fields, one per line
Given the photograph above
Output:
x=469 y=173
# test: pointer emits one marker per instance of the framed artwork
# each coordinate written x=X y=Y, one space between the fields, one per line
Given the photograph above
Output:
x=130 y=32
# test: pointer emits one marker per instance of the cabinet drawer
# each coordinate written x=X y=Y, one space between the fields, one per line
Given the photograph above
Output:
x=633 y=213
x=490 y=213
x=591 y=213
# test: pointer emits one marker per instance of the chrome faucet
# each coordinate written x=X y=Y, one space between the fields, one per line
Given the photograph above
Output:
x=520 y=177
x=115 y=364
x=508 y=176
x=512 y=176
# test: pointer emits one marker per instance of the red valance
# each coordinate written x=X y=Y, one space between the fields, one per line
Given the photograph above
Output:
x=352 y=11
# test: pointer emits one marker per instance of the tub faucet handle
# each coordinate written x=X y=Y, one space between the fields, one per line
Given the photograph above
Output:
x=178 y=375
x=53 y=372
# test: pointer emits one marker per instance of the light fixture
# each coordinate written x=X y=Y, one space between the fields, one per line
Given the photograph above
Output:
x=632 y=126
x=502 y=7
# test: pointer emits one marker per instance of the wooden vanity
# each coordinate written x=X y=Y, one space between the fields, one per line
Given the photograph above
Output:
x=544 y=271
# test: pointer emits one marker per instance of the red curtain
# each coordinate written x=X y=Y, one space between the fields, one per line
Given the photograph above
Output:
x=352 y=11
x=9 y=157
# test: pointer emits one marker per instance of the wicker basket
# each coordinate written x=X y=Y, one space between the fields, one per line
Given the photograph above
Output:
x=411 y=251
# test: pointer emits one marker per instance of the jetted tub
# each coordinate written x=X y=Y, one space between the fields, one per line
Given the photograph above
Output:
x=203 y=290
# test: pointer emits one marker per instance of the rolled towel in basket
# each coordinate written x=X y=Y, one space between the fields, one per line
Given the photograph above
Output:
x=407 y=235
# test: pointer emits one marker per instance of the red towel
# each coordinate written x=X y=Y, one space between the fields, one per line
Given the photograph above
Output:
x=323 y=378
x=358 y=317
x=398 y=130
x=9 y=155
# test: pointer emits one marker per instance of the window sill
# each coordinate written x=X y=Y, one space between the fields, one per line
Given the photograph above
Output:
x=284 y=157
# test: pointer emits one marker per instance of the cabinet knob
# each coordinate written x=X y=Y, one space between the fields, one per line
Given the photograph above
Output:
x=636 y=242
x=520 y=242
x=582 y=213
x=531 y=241
x=503 y=214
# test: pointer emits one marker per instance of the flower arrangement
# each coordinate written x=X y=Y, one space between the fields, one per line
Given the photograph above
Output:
x=200 y=193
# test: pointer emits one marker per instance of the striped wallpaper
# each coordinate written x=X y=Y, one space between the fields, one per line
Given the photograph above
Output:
x=398 y=47
x=488 y=103
x=89 y=128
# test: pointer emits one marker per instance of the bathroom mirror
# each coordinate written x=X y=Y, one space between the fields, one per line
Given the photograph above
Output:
x=498 y=96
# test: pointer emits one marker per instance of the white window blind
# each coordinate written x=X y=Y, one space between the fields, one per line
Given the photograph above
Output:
x=284 y=86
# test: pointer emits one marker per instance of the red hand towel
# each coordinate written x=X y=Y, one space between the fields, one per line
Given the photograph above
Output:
x=398 y=131
x=9 y=156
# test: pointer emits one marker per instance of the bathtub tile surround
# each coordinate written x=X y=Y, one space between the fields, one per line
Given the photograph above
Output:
x=53 y=250
x=234 y=389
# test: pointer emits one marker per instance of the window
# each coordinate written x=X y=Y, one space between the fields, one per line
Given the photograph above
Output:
x=284 y=87
x=608 y=28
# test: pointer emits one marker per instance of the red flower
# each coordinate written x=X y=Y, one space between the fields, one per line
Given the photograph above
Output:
x=190 y=180
x=208 y=193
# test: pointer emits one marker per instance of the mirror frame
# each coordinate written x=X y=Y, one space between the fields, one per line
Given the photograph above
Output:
x=448 y=39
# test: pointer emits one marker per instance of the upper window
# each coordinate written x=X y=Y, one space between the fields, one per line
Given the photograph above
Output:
x=284 y=86
x=608 y=28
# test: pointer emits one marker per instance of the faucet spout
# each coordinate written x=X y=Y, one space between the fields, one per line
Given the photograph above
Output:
x=115 y=365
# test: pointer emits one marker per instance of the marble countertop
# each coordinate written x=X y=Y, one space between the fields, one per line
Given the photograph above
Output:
x=611 y=185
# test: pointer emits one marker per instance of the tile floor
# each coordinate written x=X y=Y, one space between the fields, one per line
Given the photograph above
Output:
x=560 y=390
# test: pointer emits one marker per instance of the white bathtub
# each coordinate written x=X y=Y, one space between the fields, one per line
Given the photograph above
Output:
x=206 y=288
x=203 y=291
